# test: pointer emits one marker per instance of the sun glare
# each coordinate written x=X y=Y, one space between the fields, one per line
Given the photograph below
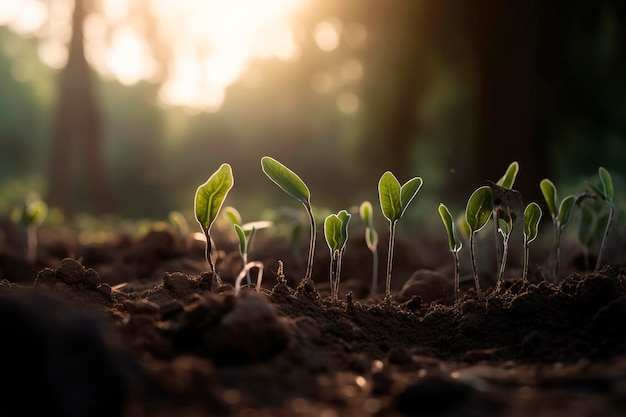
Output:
x=210 y=43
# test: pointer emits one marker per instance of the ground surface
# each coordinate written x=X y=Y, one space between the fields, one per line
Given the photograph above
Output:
x=132 y=327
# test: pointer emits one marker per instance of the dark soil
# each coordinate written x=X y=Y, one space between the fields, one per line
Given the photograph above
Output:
x=136 y=329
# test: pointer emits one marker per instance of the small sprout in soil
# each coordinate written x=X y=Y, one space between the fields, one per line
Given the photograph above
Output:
x=394 y=200
x=532 y=216
x=607 y=194
x=454 y=243
x=336 y=233
x=506 y=181
x=477 y=214
x=371 y=239
x=208 y=201
x=244 y=244
x=560 y=216
x=32 y=215
x=293 y=185
x=504 y=228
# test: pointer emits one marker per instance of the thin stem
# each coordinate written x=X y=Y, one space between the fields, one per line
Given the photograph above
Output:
x=474 y=268
x=392 y=236
x=496 y=236
x=246 y=271
x=605 y=237
x=557 y=254
x=374 y=273
x=245 y=262
x=309 y=266
x=332 y=273
x=457 y=275
x=526 y=254
x=505 y=252
x=207 y=251
x=338 y=276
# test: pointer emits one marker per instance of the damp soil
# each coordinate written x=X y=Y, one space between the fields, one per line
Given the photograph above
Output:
x=134 y=327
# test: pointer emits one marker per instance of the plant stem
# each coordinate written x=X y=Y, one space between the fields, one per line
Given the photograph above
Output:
x=605 y=237
x=245 y=262
x=474 y=268
x=309 y=266
x=338 y=276
x=207 y=251
x=392 y=236
x=505 y=252
x=496 y=236
x=457 y=275
x=526 y=254
x=374 y=272
x=332 y=275
x=557 y=254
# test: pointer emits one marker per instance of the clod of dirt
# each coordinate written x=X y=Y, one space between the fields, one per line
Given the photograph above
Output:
x=430 y=285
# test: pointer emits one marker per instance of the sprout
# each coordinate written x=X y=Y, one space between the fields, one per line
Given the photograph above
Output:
x=477 y=214
x=208 y=201
x=505 y=182
x=244 y=245
x=560 y=216
x=293 y=185
x=394 y=200
x=532 y=216
x=371 y=239
x=31 y=215
x=453 y=242
x=606 y=193
x=336 y=233
x=504 y=228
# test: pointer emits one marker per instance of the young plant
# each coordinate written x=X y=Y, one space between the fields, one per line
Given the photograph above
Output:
x=532 y=216
x=244 y=245
x=505 y=229
x=606 y=193
x=293 y=185
x=560 y=216
x=506 y=182
x=31 y=215
x=371 y=239
x=477 y=214
x=394 y=200
x=208 y=201
x=336 y=233
x=454 y=244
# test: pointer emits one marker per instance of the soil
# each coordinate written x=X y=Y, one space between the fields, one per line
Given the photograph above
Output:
x=134 y=327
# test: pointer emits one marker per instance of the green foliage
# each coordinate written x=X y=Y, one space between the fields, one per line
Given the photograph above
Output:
x=32 y=213
x=211 y=195
x=607 y=184
x=366 y=213
x=532 y=216
x=549 y=194
x=286 y=179
x=232 y=214
x=508 y=179
x=566 y=208
x=336 y=233
x=453 y=241
x=479 y=208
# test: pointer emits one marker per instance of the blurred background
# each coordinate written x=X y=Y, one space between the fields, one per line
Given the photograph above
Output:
x=124 y=107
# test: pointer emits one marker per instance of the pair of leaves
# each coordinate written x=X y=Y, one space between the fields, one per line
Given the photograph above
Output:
x=336 y=230
x=532 y=216
x=453 y=241
x=607 y=192
x=563 y=213
x=245 y=232
x=211 y=195
x=394 y=199
x=366 y=212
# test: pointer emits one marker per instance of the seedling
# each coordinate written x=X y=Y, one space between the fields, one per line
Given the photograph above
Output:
x=606 y=193
x=394 y=200
x=532 y=216
x=293 y=185
x=560 y=216
x=336 y=233
x=371 y=239
x=506 y=181
x=208 y=201
x=504 y=228
x=454 y=243
x=477 y=214
x=31 y=215
x=244 y=243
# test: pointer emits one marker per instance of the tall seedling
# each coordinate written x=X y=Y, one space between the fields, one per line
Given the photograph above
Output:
x=394 y=199
x=532 y=216
x=477 y=214
x=293 y=185
x=453 y=242
x=371 y=239
x=561 y=215
x=336 y=233
x=208 y=201
x=506 y=181
x=607 y=193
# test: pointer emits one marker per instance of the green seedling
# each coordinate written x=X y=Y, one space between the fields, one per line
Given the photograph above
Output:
x=245 y=234
x=506 y=182
x=607 y=194
x=336 y=233
x=504 y=228
x=454 y=244
x=32 y=215
x=394 y=200
x=293 y=185
x=589 y=230
x=477 y=214
x=366 y=212
x=208 y=201
x=561 y=214
x=244 y=244
x=532 y=216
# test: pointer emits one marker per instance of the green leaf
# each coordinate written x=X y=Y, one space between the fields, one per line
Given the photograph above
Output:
x=243 y=242
x=371 y=238
x=607 y=184
x=503 y=227
x=258 y=225
x=389 y=196
x=332 y=232
x=35 y=212
x=344 y=216
x=211 y=195
x=479 y=208
x=286 y=179
x=566 y=209
x=532 y=216
x=549 y=194
x=408 y=192
x=366 y=212
x=453 y=242
x=232 y=214
x=508 y=179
